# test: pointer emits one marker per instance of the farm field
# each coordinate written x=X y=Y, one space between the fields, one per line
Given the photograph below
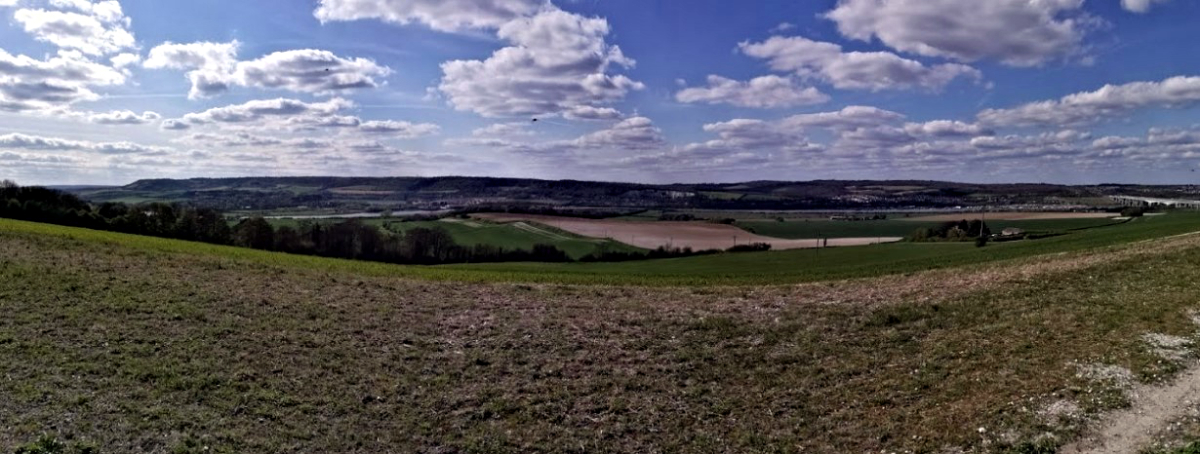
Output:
x=653 y=234
x=1011 y=216
x=746 y=269
x=135 y=344
x=509 y=235
x=902 y=227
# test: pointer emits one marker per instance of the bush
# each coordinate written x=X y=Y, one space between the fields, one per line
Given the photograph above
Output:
x=1133 y=212
x=756 y=247
x=981 y=241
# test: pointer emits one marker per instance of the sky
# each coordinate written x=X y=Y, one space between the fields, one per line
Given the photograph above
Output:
x=656 y=91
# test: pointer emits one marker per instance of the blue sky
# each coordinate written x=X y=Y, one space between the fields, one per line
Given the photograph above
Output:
x=1067 y=91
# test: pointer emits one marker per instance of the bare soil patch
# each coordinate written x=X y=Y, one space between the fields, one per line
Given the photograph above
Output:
x=652 y=234
x=1134 y=429
x=1014 y=216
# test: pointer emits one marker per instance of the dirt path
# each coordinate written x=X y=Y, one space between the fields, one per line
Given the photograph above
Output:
x=1134 y=429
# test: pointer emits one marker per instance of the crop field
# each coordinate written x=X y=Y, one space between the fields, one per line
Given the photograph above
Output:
x=509 y=236
x=519 y=235
x=901 y=227
x=697 y=235
x=133 y=344
x=1012 y=216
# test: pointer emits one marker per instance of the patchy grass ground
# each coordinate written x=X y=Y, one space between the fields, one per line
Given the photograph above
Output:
x=111 y=343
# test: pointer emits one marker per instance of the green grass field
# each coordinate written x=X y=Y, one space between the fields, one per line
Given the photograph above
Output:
x=841 y=263
x=135 y=344
x=794 y=229
x=506 y=235
x=514 y=236
x=781 y=267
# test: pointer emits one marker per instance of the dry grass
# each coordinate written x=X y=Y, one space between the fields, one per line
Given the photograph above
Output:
x=140 y=351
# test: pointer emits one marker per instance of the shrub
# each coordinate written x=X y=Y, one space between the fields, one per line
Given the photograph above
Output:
x=1133 y=212
x=756 y=247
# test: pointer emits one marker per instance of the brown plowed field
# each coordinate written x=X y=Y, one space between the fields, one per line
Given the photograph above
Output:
x=650 y=235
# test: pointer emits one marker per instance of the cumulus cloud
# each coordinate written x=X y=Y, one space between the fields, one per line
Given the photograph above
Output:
x=85 y=32
x=98 y=28
x=946 y=128
x=213 y=68
x=291 y=117
x=400 y=129
x=636 y=133
x=1140 y=6
x=748 y=134
x=630 y=134
x=557 y=62
x=39 y=143
x=1015 y=32
x=443 y=15
x=1107 y=102
x=28 y=84
x=258 y=110
x=123 y=117
x=854 y=70
x=851 y=117
x=592 y=113
x=766 y=92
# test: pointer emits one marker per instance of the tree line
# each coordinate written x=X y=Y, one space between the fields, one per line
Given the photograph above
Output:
x=953 y=231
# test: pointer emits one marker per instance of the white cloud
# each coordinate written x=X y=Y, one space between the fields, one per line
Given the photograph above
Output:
x=635 y=133
x=400 y=129
x=40 y=143
x=766 y=92
x=854 y=70
x=123 y=117
x=592 y=113
x=28 y=84
x=747 y=134
x=96 y=29
x=851 y=117
x=946 y=128
x=1015 y=32
x=289 y=121
x=175 y=125
x=557 y=63
x=444 y=15
x=1140 y=6
x=258 y=110
x=783 y=27
x=214 y=68
x=309 y=71
x=1107 y=102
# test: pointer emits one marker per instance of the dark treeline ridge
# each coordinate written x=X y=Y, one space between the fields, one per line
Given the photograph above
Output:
x=351 y=239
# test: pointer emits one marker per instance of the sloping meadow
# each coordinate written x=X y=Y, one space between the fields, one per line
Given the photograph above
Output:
x=139 y=350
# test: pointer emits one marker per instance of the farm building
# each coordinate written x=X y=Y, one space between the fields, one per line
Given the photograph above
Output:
x=1012 y=231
